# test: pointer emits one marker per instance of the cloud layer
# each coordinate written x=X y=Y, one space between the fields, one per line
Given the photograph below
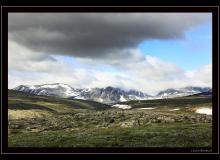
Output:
x=94 y=34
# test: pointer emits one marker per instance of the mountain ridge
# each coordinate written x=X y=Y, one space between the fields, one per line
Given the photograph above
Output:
x=106 y=94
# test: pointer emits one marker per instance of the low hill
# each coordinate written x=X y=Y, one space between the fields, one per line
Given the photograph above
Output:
x=21 y=100
x=204 y=94
x=188 y=101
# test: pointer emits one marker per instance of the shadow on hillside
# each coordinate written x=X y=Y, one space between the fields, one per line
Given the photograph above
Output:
x=25 y=106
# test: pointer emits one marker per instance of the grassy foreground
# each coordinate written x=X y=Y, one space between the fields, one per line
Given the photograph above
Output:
x=153 y=135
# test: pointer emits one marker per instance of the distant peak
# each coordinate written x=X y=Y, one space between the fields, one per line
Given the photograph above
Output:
x=55 y=84
x=109 y=87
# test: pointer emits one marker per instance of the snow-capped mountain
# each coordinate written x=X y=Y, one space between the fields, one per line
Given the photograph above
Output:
x=57 y=89
x=111 y=95
x=179 y=92
x=105 y=95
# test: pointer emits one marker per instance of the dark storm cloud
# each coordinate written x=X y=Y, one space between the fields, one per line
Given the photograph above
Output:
x=96 y=34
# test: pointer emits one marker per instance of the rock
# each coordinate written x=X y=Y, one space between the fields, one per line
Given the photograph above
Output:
x=111 y=120
x=168 y=120
x=128 y=124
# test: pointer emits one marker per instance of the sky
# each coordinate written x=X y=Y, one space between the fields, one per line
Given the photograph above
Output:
x=149 y=52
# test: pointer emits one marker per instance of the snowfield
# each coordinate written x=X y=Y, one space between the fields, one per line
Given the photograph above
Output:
x=204 y=111
x=122 y=106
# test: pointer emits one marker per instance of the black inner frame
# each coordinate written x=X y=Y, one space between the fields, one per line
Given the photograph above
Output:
x=215 y=69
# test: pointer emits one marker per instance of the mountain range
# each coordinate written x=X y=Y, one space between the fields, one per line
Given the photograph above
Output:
x=108 y=94
x=169 y=93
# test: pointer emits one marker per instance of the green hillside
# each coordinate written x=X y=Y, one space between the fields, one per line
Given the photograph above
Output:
x=171 y=102
x=21 y=100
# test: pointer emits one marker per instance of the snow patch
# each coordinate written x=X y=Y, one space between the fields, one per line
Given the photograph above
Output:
x=48 y=86
x=32 y=87
x=64 y=86
x=176 y=109
x=148 y=108
x=55 y=86
x=70 y=92
x=22 y=88
x=41 y=92
x=207 y=111
x=122 y=106
x=122 y=99
x=79 y=97
x=100 y=100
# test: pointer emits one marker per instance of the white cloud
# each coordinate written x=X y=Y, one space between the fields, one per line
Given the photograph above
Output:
x=24 y=59
x=201 y=76
x=155 y=69
x=146 y=73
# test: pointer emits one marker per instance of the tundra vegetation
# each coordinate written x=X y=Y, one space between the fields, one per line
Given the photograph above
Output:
x=43 y=121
